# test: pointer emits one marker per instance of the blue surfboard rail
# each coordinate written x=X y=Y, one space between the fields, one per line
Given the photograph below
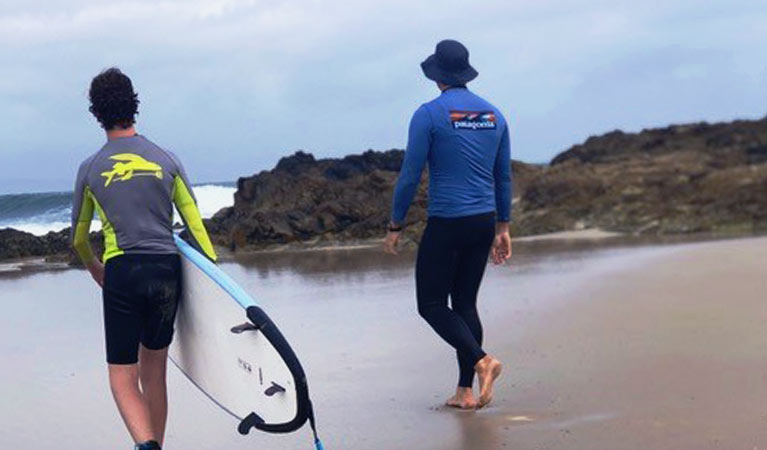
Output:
x=215 y=273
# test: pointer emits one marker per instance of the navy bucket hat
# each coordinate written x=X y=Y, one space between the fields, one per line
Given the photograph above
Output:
x=449 y=64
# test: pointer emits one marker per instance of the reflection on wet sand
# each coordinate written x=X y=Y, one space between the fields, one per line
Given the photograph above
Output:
x=526 y=253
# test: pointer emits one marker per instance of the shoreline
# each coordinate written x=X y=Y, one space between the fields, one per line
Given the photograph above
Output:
x=33 y=264
x=584 y=234
x=586 y=237
x=37 y=263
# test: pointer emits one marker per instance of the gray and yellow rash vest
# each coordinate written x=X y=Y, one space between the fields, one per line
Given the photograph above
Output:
x=133 y=184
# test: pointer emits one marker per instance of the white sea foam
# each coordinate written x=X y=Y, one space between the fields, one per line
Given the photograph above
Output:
x=210 y=199
x=41 y=228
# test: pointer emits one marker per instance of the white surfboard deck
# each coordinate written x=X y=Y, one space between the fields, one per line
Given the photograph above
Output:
x=235 y=370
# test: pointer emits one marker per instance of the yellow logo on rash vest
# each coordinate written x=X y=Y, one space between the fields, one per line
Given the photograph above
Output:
x=129 y=165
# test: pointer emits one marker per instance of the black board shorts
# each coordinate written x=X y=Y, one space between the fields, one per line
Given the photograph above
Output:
x=141 y=295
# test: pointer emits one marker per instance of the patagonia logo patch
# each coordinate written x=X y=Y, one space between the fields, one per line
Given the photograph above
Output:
x=473 y=120
x=129 y=165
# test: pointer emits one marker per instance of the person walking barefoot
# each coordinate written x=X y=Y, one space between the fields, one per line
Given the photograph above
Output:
x=465 y=141
x=132 y=184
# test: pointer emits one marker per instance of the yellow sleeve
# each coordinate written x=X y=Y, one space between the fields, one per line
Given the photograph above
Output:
x=82 y=226
x=187 y=207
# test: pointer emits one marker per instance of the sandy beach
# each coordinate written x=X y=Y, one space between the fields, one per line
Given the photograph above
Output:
x=649 y=347
x=665 y=354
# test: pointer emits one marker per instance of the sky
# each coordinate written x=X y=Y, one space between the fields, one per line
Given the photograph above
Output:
x=233 y=85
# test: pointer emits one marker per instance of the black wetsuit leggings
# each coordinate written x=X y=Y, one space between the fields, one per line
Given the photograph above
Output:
x=451 y=262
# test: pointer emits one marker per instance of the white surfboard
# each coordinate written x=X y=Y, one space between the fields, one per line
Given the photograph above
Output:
x=228 y=347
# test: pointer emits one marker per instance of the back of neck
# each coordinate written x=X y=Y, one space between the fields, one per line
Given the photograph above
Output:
x=116 y=133
x=445 y=88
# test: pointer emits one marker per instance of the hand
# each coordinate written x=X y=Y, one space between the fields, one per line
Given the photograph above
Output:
x=501 y=250
x=96 y=268
x=390 y=243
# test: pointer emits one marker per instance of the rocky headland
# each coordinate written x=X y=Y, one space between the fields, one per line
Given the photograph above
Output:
x=679 y=179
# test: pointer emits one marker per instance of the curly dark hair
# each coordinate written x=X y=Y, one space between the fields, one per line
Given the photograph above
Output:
x=113 y=101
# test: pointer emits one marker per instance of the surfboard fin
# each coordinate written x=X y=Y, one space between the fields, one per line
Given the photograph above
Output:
x=247 y=326
x=249 y=422
x=274 y=389
x=264 y=324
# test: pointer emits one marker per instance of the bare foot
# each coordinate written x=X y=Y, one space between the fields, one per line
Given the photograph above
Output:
x=463 y=399
x=488 y=370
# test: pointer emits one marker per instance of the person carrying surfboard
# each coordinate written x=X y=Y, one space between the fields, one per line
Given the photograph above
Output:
x=132 y=184
x=465 y=141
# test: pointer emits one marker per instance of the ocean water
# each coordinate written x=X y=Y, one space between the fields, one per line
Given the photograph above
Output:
x=39 y=213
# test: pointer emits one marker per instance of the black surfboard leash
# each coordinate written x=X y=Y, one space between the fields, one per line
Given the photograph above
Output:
x=264 y=325
x=313 y=423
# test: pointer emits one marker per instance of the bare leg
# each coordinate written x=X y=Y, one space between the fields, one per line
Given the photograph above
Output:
x=463 y=399
x=152 y=371
x=123 y=379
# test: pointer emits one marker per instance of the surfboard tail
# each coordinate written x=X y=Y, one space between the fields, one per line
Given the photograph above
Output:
x=275 y=400
x=305 y=410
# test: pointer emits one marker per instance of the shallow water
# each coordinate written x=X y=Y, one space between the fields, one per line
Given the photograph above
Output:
x=377 y=373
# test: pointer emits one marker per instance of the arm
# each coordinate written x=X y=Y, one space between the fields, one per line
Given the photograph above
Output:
x=502 y=172
x=418 y=144
x=185 y=202
x=82 y=214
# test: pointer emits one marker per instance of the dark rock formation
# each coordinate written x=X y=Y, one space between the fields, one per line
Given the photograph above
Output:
x=304 y=199
x=53 y=246
x=680 y=179
x=18 y=244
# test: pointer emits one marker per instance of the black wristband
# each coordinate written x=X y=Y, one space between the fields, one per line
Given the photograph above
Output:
x=395 y=229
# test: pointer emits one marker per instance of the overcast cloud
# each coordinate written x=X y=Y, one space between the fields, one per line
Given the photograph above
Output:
x=231 y=86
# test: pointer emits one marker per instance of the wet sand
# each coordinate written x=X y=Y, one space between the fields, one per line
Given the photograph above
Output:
x=650 y=347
